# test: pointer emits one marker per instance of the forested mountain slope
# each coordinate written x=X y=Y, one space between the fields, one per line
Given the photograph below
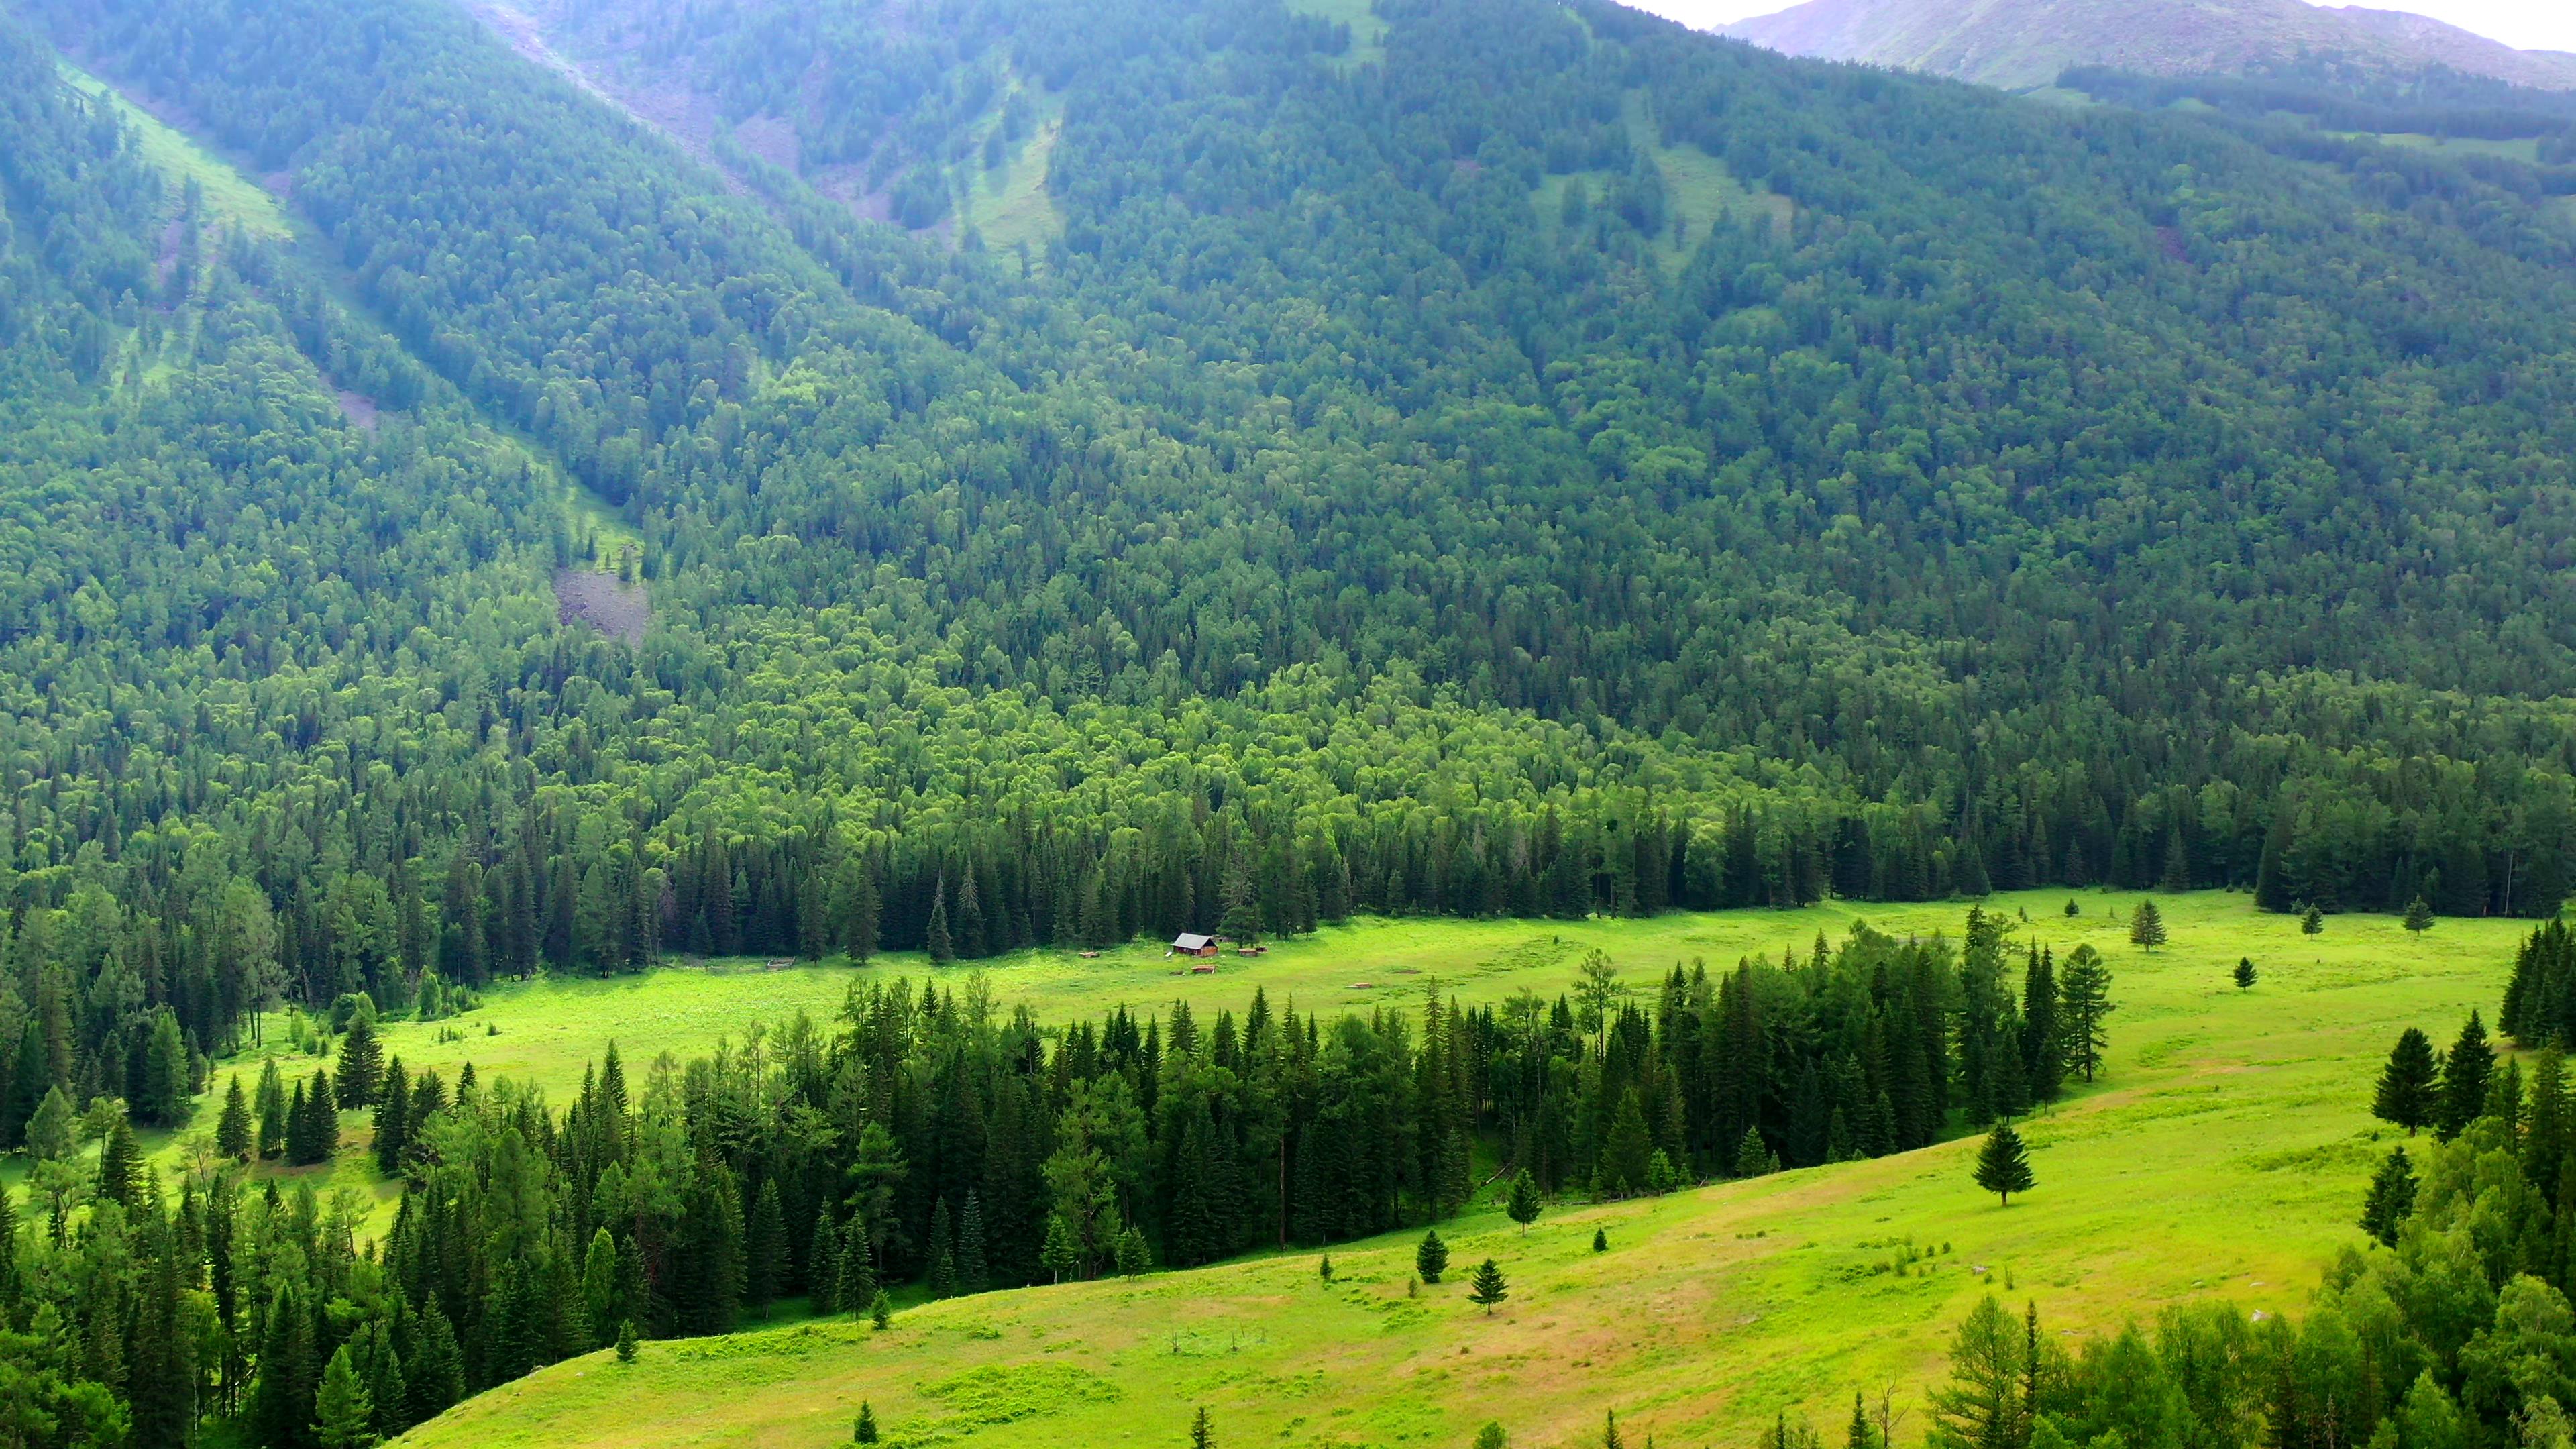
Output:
x=1535 y=461
x=2027 y=42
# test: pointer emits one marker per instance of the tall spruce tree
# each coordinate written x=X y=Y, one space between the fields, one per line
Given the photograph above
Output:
x=2083 y=1007
x=1431 y=1257
x=234 y=1134
x=764 y=1249
x=2147 y=926
x=1487 y=1288
x=2003 y=1166
x=2467 y=1069
x=2406 y=1085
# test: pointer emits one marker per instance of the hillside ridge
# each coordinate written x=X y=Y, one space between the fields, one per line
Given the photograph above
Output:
x=2024 y=43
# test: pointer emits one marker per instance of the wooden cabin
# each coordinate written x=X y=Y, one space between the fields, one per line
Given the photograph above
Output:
x=1188 y=944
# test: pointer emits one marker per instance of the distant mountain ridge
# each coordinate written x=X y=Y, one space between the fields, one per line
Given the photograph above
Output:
x=2014 y=43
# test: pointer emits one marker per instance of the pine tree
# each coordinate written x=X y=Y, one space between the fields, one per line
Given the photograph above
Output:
x=1522 y=1205
x=120 y=1166
x=233 y=1130
x=393 y=1119
x=2312 y=922
x=2072 y=909
x=361 y=1064
x=936 y=939
x=344 y=1417
x=1859 y=1435
x=2244 y=973
x=1324 y=1270
x=1601 y=1240
x=974 y=1268
x=1492 y=1436
x=764 y=1249
x=2405 y=1095
x=1202 y=1436
x=2147 y=926
x=1133 y=1255
x=943 y=1259
x=1610 y=1431
x=1431 y=1257
x=2466 y=1070
x=823 y=1267
x=1629 y=1152
x=2003 y=1168
x=2391 y=1198
x=271 y=1105
x=1487 y=1288
x=2419 y=916
x=881 y=1311
x=2083 y=1003
x=626 y=1341
x=1753 y=1155
x=864 y=1431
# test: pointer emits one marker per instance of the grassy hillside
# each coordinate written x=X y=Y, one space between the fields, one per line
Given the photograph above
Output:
x=1713 y=1311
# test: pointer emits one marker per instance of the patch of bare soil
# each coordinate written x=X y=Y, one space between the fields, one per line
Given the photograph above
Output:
x=358 y=408
x=607 y=603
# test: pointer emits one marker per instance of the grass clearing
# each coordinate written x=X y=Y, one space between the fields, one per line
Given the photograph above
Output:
x=1009 y=205
x=1713 y=1310
x=1698 y=189
x=1368 y=31
x=230 y=196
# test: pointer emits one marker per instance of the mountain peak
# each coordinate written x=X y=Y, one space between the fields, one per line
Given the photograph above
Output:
x=2015 y=43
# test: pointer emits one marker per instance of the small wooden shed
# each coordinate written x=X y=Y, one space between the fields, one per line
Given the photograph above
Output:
x=1188 y=944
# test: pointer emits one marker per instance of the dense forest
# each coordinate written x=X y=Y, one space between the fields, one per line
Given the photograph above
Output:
x=932 y=1138
x=1315 y=525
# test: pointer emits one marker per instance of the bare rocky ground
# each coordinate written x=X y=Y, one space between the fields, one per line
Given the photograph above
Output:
x=607 y=603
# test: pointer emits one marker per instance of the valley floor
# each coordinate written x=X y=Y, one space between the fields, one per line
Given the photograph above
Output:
x=2223 y=1154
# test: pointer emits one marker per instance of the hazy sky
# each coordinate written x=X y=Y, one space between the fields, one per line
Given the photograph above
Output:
x=2531 y=24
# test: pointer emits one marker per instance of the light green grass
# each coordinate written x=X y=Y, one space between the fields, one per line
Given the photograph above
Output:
x=591 y=518
x=1010 y=205
x=2525 y=149
x=1368 y=31
x=2223 y=1154
x=1698 y=188
x=230 y=196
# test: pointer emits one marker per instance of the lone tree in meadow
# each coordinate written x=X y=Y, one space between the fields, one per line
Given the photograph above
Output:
x=1522 y=1205
x=1431 y=1259
x=2073 y=909
x=2312 y=922
x=865 y=1430
x=2003 y=1167
x=2405 y=1095
x=1601 y=1240
x=2244 y=973
x=2147 y=926
x=2391 y=1198
x=2419 y=916
x=1202 y=1434
x=1488 y=1288
x=1491 y=1436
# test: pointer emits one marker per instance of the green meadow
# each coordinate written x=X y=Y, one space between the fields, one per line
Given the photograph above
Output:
x=2222 y=1154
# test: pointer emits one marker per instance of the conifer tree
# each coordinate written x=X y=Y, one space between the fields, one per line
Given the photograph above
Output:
x=233 y=1130
x=823 y=1266
x=1753 y=1155
x=1610 y=1431
x=881 y=1311
x=120 y=1166
x=1202 y=1435
x=1628 y=1154
x=974 y=1268
x=2405 y=1096
x=943 y=1259
x=626 y=1341
x=764 y=1249
x=1487 y=1288
x=1133 y=1254
x=2244 y=973
x=2467 y=1069
x=1858 y=1435
x=2043 y=1040
x=2084 y=1002
x=1431 y=1257
x=2003 y=1167
x=1324 y=1270
x=936 y=938
x=2419 y=916
x=2391 y=1198
x=864 y=1430
x=1522 y=1205
x=393 y=1119
x=361 y=1064
x=2147 y=926
x=272 y=1106
x=1492 y=1436
x=2312 y=922
x=344 y=1418
x=599 y=1296
x=1601 y=1240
